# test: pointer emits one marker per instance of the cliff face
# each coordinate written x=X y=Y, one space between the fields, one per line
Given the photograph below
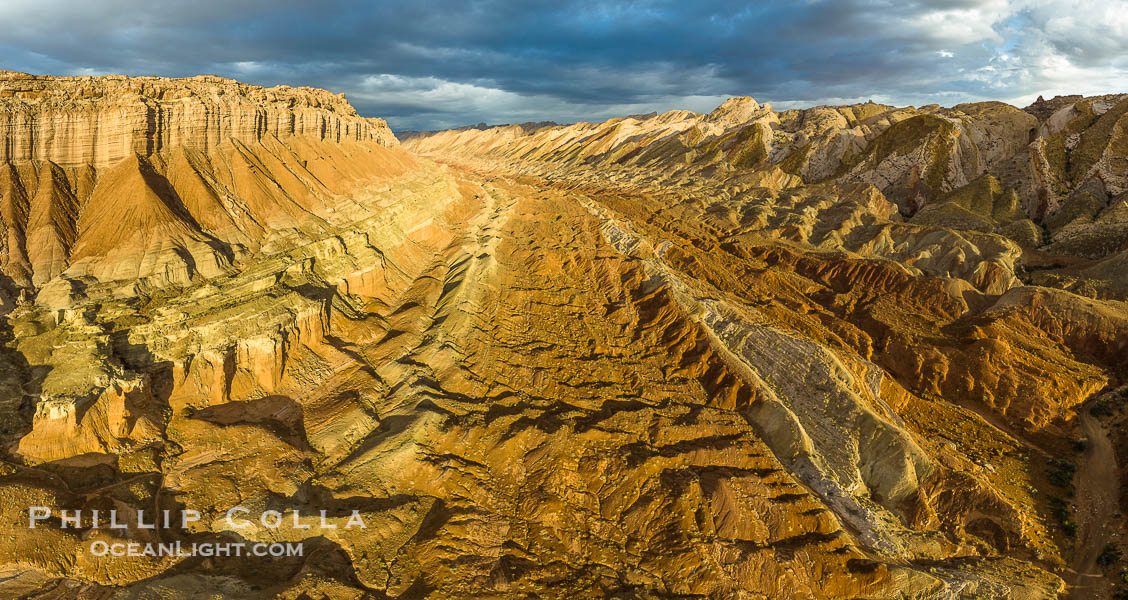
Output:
x=99 y=121
x=158 y=181
x=644 y=359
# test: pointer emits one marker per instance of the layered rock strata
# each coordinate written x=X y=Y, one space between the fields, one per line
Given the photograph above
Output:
x=153 y=182
x=537 y=372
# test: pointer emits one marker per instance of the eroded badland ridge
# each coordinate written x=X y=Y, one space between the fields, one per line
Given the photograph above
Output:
x=844 y=352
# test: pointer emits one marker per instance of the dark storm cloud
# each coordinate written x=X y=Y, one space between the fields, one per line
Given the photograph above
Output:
x=429 y=64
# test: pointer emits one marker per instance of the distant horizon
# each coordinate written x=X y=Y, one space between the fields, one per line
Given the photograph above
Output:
x=777 y=106
x=443 y=64
x=774 y=106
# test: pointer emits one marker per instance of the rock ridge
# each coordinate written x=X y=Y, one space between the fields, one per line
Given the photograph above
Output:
x=156 y=181
x=100 y=120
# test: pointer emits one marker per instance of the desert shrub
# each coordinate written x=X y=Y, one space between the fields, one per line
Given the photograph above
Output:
x=1060 y=478
x=1101 y=408
x=1060 y=510
x=1063 y=465
x=1061 y=472
x=1109 y=556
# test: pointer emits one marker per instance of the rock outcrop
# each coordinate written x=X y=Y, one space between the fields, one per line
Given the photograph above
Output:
x=735 y=355
x=993 y=167
x=98 y=121
x=153 y=182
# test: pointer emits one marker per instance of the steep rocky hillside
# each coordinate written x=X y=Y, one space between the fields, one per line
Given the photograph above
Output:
x=973 y=254
x=812 y=354
x=1053 y=176
x=154 y=181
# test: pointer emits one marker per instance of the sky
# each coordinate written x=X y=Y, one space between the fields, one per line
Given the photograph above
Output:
x=434 y=64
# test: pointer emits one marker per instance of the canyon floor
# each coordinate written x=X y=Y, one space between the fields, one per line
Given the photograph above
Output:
x=848 y=352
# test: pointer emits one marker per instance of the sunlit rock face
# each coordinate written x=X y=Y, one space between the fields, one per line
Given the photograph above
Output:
x=99 y=121
x=156 y=181
x=812 y=354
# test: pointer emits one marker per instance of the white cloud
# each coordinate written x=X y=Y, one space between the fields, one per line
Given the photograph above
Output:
x=961 y=26
x=1019 y=49
x=590 y=59
x=1069 y=47
x=247 y=66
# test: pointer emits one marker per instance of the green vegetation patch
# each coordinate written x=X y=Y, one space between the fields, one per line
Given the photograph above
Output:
x=749 y=151
x=1110 y=555
x=668 y=150
x=982 y=205
x=905 y=137
x=795 y=160
x=1061 y=474
x=743 y=147
x=1094 y=141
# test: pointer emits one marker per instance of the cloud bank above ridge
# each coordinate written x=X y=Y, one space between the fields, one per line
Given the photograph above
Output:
x=442 y=63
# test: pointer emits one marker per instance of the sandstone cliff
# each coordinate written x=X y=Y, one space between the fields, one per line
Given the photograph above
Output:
x=99 y=121
x=155 y=181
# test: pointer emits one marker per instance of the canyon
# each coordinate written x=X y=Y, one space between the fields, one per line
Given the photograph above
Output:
x=840 y=352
